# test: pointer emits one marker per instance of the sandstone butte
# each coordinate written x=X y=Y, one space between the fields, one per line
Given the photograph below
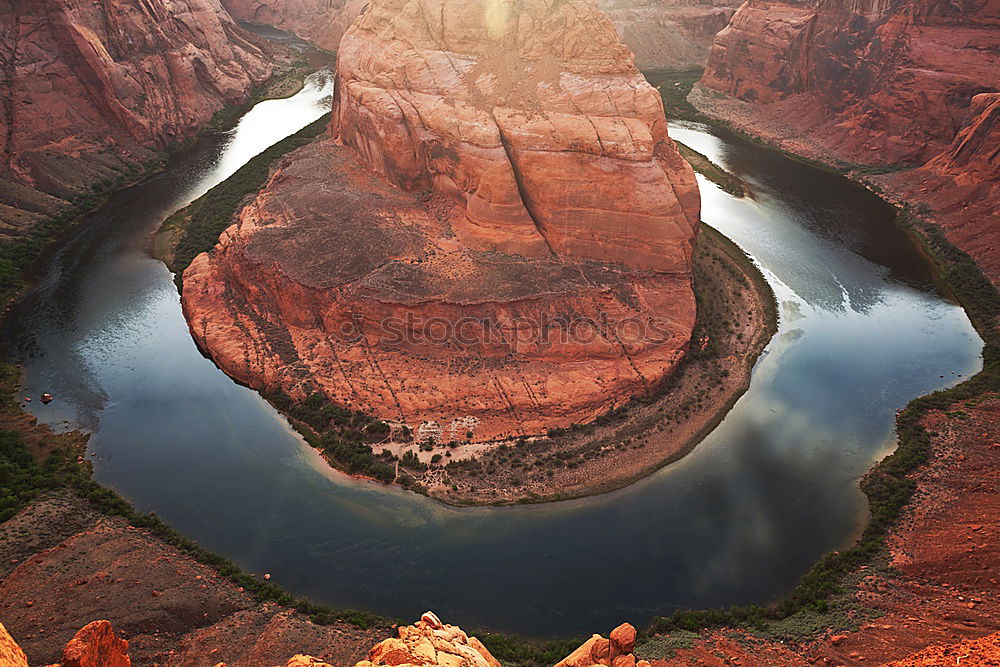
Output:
x=898 y=83
x=497 y=239
x=663 y=34
x=88 y=87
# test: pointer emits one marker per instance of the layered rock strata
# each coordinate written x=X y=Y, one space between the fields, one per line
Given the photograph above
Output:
x=910 y=85
x=501 y=244
x=873 y=81
x=90 y=88
x=669 y=34
x=322 y=22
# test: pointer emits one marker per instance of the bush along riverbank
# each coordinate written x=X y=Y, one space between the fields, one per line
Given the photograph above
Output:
x=196 y=228
x=33 y=461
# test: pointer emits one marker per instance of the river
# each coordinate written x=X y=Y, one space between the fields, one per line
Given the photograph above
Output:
x=862 y=331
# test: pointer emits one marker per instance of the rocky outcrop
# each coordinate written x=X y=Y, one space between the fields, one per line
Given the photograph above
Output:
x=91 y=88
x=669 y=34
x=11 y=654
x=95 y=645
x=615 y=651
x=871 y=81
x=528 y=264
x=322 y=22
x=430 y=643
x=960 y=188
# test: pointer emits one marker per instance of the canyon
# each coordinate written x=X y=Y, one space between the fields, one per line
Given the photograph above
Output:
x=440 y=174
x=663 y=34
x=93 y=92
x=322 y=22
x=513 y=228
x=901 y=92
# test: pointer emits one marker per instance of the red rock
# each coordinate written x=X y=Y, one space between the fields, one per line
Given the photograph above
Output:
x=983 y=651
x=536 y=123
x=669 y=34
x=883 y=82
x=556 y=198
x=623 y=638
x=93 y=86
x=95 y=645
x=11 y=654
x=322 y=22
x=613 y=652
x=431 y=644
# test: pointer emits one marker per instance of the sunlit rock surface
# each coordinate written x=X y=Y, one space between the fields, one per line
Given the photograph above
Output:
x=500 y=243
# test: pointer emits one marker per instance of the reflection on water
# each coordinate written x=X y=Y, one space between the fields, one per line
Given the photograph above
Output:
x=737 y=521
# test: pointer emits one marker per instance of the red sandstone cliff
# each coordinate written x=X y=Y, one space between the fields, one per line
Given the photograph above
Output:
x=663 y=34
x=532 y=189
x=872 y=81
x=91 y=86
x=669 y=34
x=322 y=22
x=902 y=83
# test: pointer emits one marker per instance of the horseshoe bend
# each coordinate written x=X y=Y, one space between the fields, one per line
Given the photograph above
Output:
x=495 y=239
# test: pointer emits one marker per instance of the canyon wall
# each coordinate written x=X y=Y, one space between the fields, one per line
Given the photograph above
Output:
x=322 y=22
x=91 y=87
x=907 y=86
x=669 y=34
x=500 y=243
x=663 y=34
x=883 y=82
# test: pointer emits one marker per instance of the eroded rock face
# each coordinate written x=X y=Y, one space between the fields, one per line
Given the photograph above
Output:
x=503 y=246
x=91 y=86
x=430 y=643
x=11 y=654
x=873 y=81
x=95 y=645
x=322 y=22
x=531 y=117
x=669 y=34
x=961 y=186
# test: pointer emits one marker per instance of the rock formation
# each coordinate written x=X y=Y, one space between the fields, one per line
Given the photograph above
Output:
x=89 y=88
x=95 y=645
x=429 y=642
x=11 y=654
x=898 y=83
x=669 y=34
x=873 y=81
x=322 y=22
x=615 y=651
x=528 y=264
x=961 y=186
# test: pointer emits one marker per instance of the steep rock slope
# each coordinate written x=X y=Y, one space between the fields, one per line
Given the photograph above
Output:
x=871 y=81
x=528 y=263
x=669 y=34
x=322 y=22
x=89 y=87
x=911 y=85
